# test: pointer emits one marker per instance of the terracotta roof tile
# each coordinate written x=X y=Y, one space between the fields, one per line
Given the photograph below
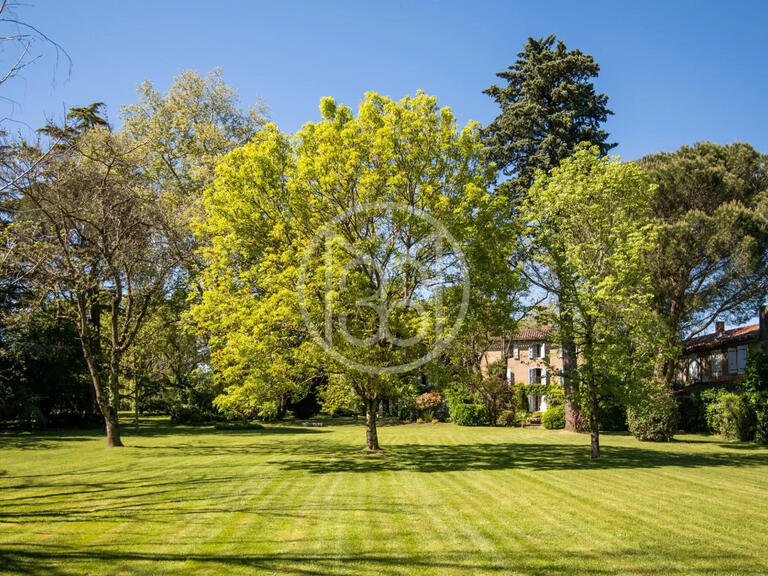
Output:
x=740 y=334
x=536 y=333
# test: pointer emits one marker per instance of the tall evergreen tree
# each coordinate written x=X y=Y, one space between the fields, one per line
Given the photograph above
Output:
x=548 y=106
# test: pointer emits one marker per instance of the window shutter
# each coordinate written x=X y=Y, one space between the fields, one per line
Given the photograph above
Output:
x=544 y=350
x=741 y=359
x=516 y=352
x=544 y=376
x=531 y=352
x=732 y=361
x=530 y=376
x=509 y=375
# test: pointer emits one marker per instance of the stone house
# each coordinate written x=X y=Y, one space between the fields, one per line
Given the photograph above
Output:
x=531 y=358
x=719 y=358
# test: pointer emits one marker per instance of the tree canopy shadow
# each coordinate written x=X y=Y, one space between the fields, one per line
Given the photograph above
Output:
x=66 y=561
x=54 y=438
x=535 y=456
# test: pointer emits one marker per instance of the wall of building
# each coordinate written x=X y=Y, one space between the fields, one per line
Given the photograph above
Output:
x=518 y=368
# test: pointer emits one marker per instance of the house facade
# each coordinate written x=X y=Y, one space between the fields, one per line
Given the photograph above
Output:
x=720 y=358
x=531 y=359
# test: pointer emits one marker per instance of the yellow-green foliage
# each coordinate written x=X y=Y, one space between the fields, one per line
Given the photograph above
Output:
x=272 y=195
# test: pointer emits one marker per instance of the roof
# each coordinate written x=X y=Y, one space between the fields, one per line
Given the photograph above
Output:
x=714 y=340
x=535 y=334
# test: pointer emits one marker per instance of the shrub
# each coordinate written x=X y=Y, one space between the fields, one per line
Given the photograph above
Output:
x=469 y=414
x=654 y=417
x=693 y=412
x=613 y=418
x=554 y=418
x=761 y=425
x=187 y=414
x=732 y=417
x=429 y=400
x=405 y=409
x=236 y=425
x=508 y=418
x=427 y=403
x=269 y=411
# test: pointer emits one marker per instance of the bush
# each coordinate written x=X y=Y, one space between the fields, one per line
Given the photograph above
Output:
x=731 y=417
x=269 y=411
x=654 y=418
x=469 y=414
x=428 y=403
x=186 y=414
x=613 y=418
x=761 y=426
x=405 y=409
x=508 y=418
x=554 y=418
x=238 y=426
x=693 y=412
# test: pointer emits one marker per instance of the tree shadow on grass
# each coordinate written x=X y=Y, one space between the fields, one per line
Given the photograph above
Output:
x=66 y=561
x=487 y=456
x=48 y=439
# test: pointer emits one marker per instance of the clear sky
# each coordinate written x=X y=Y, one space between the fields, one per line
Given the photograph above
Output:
x=675 y=71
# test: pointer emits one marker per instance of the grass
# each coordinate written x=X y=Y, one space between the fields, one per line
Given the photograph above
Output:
x=441 y=500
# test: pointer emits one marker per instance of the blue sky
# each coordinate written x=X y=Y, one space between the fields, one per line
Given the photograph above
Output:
x=675 y=72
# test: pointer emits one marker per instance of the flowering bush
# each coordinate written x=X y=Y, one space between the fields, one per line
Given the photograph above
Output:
x=429 y=400
x=427 y=403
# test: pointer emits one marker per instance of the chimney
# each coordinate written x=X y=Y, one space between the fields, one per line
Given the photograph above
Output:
x=719 y=328
x=763 y=322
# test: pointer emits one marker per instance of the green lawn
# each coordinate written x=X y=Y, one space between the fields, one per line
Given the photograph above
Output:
x=441 y=500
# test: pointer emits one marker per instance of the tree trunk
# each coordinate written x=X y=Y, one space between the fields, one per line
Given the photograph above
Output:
x=594 y=425
x=113 y=427
x=136 y=407
x=106 y=400
x=570 y=384
x=571 y=416
x=371 y=435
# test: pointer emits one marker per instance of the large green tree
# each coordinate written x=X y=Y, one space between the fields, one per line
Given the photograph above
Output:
x=589 y=233
x=89 y=238
x=549 y=105
x=270 y=199
x=711 y=204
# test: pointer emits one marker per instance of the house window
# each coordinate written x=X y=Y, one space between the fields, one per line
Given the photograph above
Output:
x=741 y=359
x=716 y=364
x=536 y=351
x=534 y=403
x=534 y=375
x=694 y=370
